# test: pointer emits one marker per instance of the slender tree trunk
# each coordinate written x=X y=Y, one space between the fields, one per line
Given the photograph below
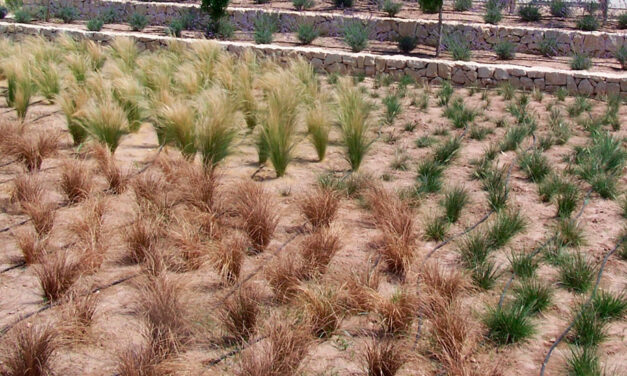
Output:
x=439 y=46
x=605 y=6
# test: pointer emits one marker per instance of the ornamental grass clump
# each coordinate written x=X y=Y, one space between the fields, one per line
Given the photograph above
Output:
x=353 y=115
x=216 y=126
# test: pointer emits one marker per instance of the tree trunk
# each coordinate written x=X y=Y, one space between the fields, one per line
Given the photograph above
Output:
x=605 y=5
x=439 y=46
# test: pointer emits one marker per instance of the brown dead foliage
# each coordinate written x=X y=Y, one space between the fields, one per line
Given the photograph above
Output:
x=116 y=177
x=141 y=238
x=29 y=351
x=228 y=257
x=33 y=246
x=284 y=276
x=319 y=206
x=396 y=313
x=322 y=308
x=361 y=289
x=384 y=357
x=317 y=250
x=256 y=211
x=76 y=180
x=239 y=313
x=57 y=273
x=30 y=147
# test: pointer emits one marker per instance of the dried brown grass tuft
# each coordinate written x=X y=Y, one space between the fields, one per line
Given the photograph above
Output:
x=281 y=354
x=161 y=303
x=448 y=284
x=256 y=211
x=284 y=276
x=33 y=246
x=154 y=194
x=361 y=289
x=189 y=242
x=198 y=186
x=239 y=313
x=137 y=361
x=141 y=238
x=116 y=177
x=57 y=273
x=31 y=147
x=79 y=313
x=29 y=351
x=28 y=188
x=323 y=312
x=383 y=357
x=318 y=249
x=228 y=258
x=319 y=206
x=397 y=312
x=76 y=180
x=88 y=230
x=41 y=214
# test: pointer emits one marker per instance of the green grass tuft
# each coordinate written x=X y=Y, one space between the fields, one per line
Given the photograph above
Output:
x=453 y=203
x=532 y=296
x=508 y=325
x=576 y=273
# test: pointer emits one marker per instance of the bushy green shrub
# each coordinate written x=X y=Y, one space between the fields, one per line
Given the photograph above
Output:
x=462 y=5
x=217 y=11
x=306 y=33
x=95 y=24
x=22 y=16
x=580 y=61
x=505 y=50
x=588 y=23
x=529 y=12
x=621 y=56
x=265 y=27
x=407 y=43
x=356 y=35
x=622 y=21
x=493 y=13
x=175 y=27
x=458 y=47
x=548 y=46
x=138 y=21
x=223 y=29
x=343 y=3
x=3 y=12
x=14 y=5
x=559 y=8
x=110 y=15
x=67 y=14
x=303 y=4
x=430 y=6
x=391 y=8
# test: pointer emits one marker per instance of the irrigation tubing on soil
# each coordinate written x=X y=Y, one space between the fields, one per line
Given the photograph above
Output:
x=588 y=302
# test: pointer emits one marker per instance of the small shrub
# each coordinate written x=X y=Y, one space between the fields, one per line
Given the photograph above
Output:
x=95 y=24
x=436 y=228
x=303 y=4
x=459 y=47
x=548 y=46
x=343 y=3
x=532 y=297
x=493 y=15
x=462 y=5
x=508 y=325
x=176 y=27
x=22 y=16
x=529 y=12
x=588 y=329
x=576 y=273
x=583 y=361
x=138 y=21
x=109 y=16
x=307 y=33
x=622 y=21
x=391 y=8
x=580 y=61
x=67 y=14
x=609 y=306
x=265 y=27
x=3 y=12
x=588 y=23
x=621 y=56
x=356 y=35
x=430 y=6
x=559 y=8
x=407 y=43
x=505 y=50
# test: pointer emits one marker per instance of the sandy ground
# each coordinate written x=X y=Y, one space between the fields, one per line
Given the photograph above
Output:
x=116 y=325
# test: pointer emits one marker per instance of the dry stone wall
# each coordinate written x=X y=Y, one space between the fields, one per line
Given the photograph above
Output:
x=480 y=36
x=425 y=70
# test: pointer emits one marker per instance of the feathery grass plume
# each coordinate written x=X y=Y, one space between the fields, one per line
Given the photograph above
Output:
x=318 y=120
x=319 y=206
x=57 y=273
x=353 y=116
x=284 y=276
x=323 y=313
x=383 y=357
x=105 y=121
x=30 y=147
x=454 y=201
x=307 y=79
x=126 y=51
x=278 y=130
x=187 y=81
x=576 y=273
x=129 y=94
x=396 y=313
x=532 y=296
x=583 y=361
x=588 y=329
x=32 y=246
x=162 y=304
x=71 y=100
x=535 y=165
x=507 y=325
x=317 y=250
x=286 y=346
x=20 y=87
x=216 y=126
x=76 y=180
x=116 y=177
x=176 y=124
x=239 y=79
x=205 y=56
x=609 y=306
x=228 y=258
x=523 y=264
x=46 y=79
x=30 y=350
x=239 y=313
x=78 y=65
x=506 y=225
x=255 y=208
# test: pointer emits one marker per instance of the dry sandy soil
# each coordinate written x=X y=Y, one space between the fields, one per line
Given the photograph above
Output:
x=116 y=325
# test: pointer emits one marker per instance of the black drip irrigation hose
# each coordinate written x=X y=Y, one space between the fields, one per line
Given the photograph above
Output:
x=540 y=248
x=9 y=163
x=588 y=302
x=236 y=351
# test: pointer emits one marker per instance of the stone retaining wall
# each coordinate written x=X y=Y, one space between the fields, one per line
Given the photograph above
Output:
x=426 y=70
x=480 y=36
